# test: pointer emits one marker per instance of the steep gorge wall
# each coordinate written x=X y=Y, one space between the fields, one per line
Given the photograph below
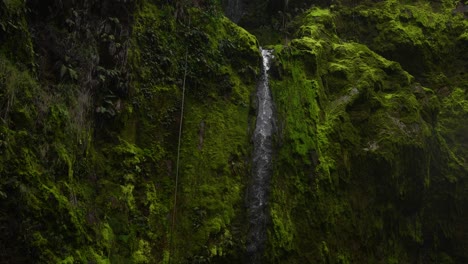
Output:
x=90 y=107
x=371 y=152
x=367 y=171
x=50 y=61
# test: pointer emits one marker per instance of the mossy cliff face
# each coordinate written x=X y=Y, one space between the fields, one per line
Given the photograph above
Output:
x=222 y=62
x=428 y=38
x=89 y=131
x=370 y=163
x=367 y=169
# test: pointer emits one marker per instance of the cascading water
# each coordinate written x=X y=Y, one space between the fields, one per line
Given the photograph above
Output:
x=257 y=196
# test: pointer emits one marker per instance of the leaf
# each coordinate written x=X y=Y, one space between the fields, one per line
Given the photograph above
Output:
x=69 y=22
x=73 y=74
x=111 y=112
x=12 y=25
x=63 y=70
x=100 y=109
x=114 y=19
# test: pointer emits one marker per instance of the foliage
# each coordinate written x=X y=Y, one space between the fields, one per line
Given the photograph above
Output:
x=370 y=163
x=218 y=61
x=358 y=174
x=423 y=36
x=14 y=30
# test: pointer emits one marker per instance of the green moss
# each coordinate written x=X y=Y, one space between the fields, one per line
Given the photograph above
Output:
x=370 y=166
x=363 y=121
x=213 y=170
x=221 y=71
x=16 y=40
x=417 y=34
x=142 y=252
x=454 y=109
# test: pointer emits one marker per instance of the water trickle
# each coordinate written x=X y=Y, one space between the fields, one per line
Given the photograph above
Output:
x=257 y=196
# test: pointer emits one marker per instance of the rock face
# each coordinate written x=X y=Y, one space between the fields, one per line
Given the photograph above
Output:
x=90 y=111
x=371 y=148
x=367 y=130
x=234 y=9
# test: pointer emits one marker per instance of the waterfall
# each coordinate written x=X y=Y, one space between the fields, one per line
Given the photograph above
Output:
x=257 y=196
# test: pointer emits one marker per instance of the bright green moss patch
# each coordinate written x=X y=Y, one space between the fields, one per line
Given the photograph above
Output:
x=420 y=35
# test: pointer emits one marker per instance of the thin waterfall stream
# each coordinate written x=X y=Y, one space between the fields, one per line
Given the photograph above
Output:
x=257 y=196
